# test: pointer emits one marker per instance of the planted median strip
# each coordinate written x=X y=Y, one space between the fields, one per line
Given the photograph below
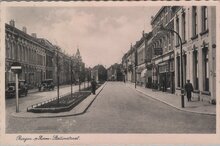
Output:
x=66 y=102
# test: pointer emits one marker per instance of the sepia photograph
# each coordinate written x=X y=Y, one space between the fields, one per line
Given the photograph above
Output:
x=92 y=69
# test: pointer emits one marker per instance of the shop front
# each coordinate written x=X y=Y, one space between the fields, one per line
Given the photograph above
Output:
x=166 y=76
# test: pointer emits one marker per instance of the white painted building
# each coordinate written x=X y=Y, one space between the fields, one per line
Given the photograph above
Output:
x=197 y=28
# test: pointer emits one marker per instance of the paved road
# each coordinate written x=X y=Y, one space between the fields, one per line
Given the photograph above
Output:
x=119 y=109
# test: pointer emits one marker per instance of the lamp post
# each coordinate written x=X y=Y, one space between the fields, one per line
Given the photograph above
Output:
x=181 y=60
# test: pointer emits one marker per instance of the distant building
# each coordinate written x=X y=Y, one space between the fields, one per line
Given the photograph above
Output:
x=143 y=74
x=99 y=73
x=50 y=54
x=115 y=72
x=128 y=63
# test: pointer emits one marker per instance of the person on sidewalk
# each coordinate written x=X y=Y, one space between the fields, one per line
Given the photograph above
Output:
x=188 y=89
x=93 y=84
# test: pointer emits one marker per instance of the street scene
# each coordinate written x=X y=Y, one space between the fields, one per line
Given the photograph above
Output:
x=110 y=69
x=122 y=111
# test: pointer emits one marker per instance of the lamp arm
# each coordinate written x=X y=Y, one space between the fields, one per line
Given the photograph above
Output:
x=173 y=31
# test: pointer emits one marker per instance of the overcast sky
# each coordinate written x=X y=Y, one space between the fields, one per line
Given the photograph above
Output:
x=103 y=34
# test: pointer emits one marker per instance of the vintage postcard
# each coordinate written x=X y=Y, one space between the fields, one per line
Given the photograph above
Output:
x=109 y=73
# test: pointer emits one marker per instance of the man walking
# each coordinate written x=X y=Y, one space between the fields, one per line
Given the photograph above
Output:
x=93 y=84
x=189 y=89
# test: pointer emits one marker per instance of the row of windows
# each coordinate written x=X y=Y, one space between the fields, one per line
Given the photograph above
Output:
x=204 y=68
x=204 y=19
x=141 y=57
x=23 y=53
x=164 y=42
x=194 y=18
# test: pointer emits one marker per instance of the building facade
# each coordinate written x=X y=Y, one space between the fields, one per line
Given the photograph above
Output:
x=115 y=72
x=144 y=55
x=163 y=49
x=25 y=49
x=197 y=28
x=39 y=58
x=128 y=63
x=99 y=73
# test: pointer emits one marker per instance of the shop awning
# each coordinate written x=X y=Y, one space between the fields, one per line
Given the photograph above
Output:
x=143 y=73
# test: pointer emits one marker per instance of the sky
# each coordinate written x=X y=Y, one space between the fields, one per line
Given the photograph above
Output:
x=102 y=34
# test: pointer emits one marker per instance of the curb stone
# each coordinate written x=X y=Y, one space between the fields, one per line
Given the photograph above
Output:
x=171 y=105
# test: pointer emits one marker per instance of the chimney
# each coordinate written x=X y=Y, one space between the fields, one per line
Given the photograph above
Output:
x=12 y=22
x=34 y=35
x=143 y=33
x=24 y=29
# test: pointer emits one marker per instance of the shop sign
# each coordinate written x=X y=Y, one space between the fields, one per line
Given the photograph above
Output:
x=163 y=68
x=16 y=67
x=158 y=51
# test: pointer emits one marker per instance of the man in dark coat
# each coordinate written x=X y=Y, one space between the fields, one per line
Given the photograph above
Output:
x=189 y=89
x=93 y=84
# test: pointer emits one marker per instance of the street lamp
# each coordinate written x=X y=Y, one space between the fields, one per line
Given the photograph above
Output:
x=181 y=60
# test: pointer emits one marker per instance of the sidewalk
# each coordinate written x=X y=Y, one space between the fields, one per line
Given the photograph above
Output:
x=79 y=109
x=201 y=107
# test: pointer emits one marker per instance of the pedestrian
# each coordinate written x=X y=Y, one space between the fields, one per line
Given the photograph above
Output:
x=93 y=84
x=189 y=90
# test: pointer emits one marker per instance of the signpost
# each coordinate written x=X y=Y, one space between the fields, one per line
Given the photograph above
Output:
x=16 y=68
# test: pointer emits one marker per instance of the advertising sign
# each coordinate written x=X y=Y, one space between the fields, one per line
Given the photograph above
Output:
x=158 y=51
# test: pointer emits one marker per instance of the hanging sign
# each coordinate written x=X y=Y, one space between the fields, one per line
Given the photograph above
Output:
x=158 y=51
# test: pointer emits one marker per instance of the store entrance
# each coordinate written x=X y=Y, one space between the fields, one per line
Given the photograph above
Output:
x=166 y=82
